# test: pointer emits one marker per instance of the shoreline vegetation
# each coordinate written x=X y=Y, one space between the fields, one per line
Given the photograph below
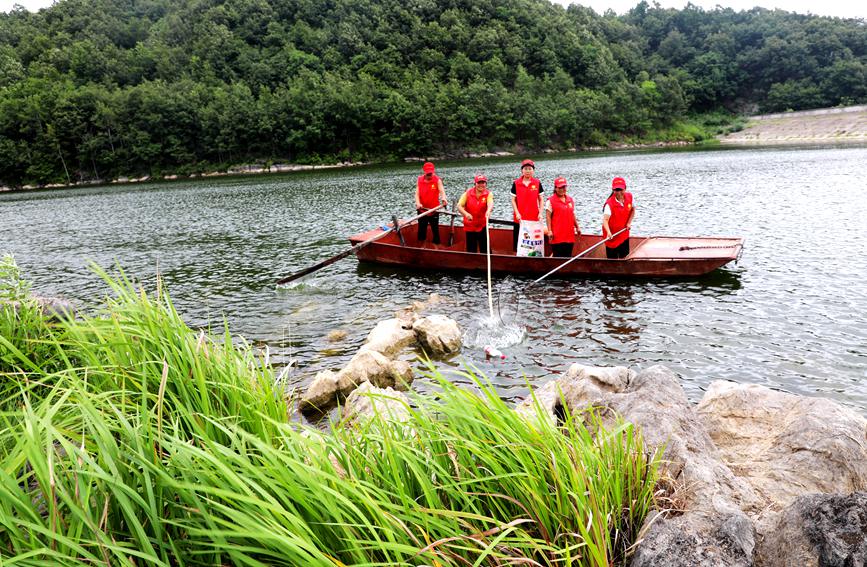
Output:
x=701 y=130
x=110 y=90
x=261 y=168
x=126 y=437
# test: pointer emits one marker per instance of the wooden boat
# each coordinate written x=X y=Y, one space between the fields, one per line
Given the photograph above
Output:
x=650 y=256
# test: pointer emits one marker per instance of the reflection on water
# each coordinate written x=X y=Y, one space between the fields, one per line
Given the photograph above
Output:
x=788 y=315
x=619 y=314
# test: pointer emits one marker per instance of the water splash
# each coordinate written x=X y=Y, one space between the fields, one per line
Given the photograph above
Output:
x=492 y=331
x=304 y=286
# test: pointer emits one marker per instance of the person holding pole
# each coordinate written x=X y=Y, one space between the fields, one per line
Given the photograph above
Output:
x=561 y=222
x=475 y=205
x=526 y=198
x=429 y=194
x=617 y=215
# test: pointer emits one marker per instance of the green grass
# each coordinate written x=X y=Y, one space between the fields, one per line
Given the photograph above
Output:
x=144 y=442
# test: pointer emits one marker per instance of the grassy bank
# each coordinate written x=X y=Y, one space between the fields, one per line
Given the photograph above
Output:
x=695 y=129
x=128 y=438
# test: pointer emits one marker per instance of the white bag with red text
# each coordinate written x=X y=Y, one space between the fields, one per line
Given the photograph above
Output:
x=531 y=238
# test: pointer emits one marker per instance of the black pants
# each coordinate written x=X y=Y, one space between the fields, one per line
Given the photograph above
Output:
x=515 y=228
x=434 y=222
x=477 y=241
x=562 y=250
x=620 y=252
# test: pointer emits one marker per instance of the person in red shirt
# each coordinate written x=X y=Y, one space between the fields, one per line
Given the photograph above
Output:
x=617 y=214
x=476 y=205
x=526 y=198
x=561 y=221
x=429 y=194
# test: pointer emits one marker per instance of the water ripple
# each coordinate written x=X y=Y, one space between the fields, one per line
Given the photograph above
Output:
x=789 y=315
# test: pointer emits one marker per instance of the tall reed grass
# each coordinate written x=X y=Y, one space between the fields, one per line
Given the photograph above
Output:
x=155 y=444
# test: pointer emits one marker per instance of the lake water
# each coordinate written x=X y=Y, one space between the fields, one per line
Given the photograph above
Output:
x=790 y=315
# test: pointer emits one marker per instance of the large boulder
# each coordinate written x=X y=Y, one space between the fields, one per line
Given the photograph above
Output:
x=713 y=530
x=574 y=389
x=605 y=378
x=371 y=366
x=368 y=401
x=438 y=335
x=783 y=445
x=827 y=530
x=389 y=337
x=321 y=393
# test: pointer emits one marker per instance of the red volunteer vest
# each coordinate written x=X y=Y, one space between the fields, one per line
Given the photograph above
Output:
x=478 y=207
x=562 y=219
x=619 y=216
x=527 y=199
x=429 y=191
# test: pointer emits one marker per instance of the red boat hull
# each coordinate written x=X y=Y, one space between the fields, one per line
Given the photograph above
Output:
x=657 y=256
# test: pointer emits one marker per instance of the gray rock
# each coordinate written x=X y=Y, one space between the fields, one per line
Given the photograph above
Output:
x=401 y=374
x=656 y=402
x=713 y=530
x=53 y=308
x=56 y=308
x=783 y=445
x=371 y=366
x=389 y=337
x=321 y=393
x=605 y=378
x=693 y=541
x=407 y=317
x=438 y=334
x=574 y=389
x=819 y=530
x=368 y=401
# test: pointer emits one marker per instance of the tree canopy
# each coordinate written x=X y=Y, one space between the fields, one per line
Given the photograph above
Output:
x=91 y=89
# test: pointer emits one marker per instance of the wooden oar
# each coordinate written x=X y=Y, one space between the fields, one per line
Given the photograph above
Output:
x=573 y=258
x=356 y=248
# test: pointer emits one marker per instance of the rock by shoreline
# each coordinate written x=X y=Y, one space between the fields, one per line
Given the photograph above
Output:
x=749 y=476
x=375 y=364
x=739 y=460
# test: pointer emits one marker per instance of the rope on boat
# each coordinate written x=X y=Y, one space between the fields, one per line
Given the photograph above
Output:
x=682 y=248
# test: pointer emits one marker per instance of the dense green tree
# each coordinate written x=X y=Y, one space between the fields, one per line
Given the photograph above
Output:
x=93 y=89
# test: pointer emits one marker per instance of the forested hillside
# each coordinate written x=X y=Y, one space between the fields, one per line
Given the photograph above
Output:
x=92 y=89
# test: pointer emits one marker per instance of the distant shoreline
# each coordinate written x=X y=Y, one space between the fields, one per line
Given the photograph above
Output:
x=262 y=169
x=756 y=134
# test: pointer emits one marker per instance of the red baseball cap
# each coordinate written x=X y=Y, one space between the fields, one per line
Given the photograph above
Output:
x=618 y=183
x=428 y=167
x=560 y=182
x=479 y=178
x=527 y=162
